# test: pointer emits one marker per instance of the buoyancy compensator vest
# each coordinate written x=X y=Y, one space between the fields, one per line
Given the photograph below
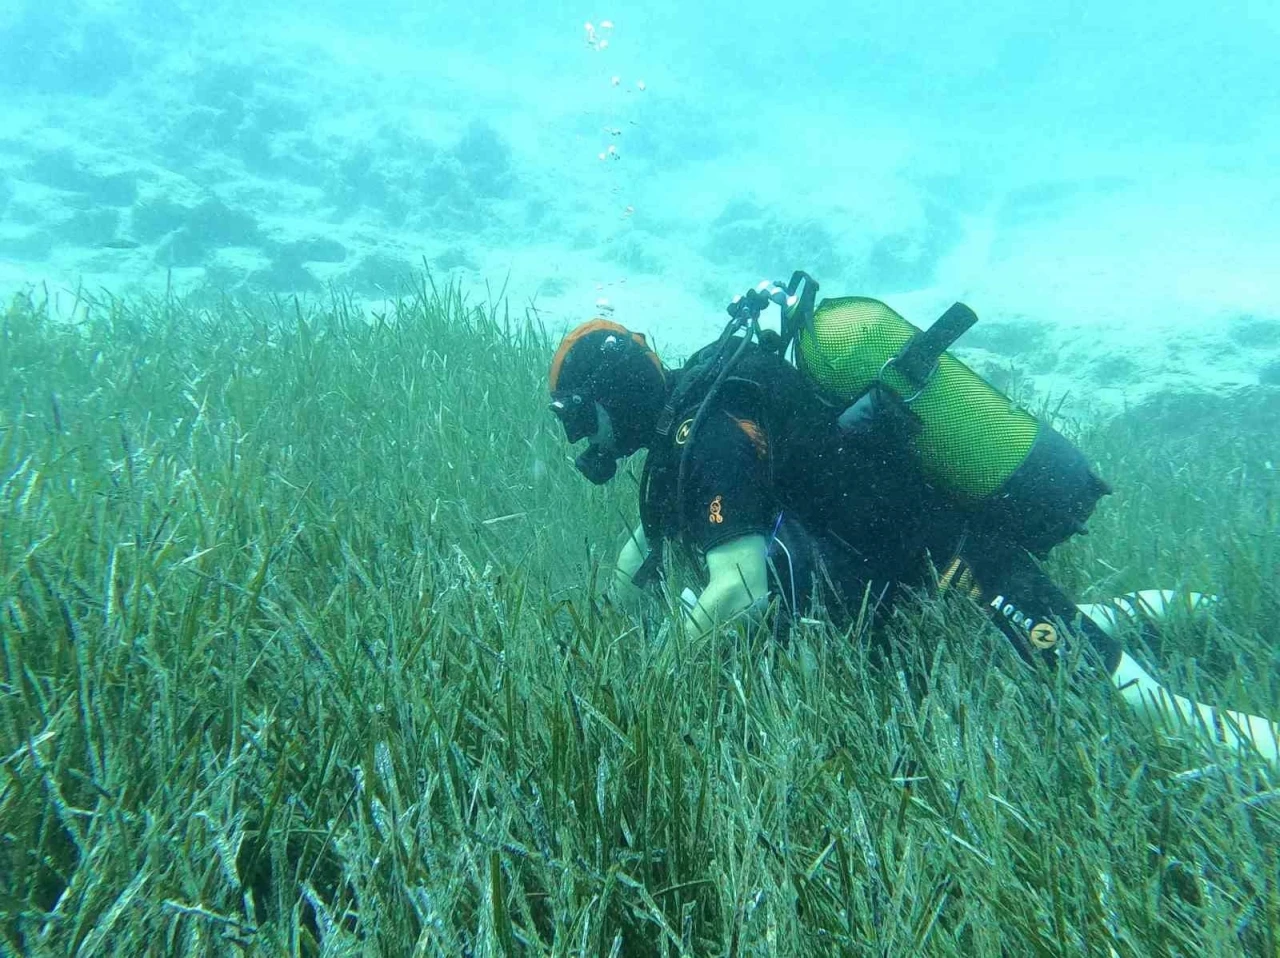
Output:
x=762 y=385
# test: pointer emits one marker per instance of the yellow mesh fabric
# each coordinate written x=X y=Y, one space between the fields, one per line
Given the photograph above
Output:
x=972 y=438
x=848 y=342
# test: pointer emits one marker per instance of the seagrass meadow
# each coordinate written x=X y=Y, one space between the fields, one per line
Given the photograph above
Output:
x=305 y=652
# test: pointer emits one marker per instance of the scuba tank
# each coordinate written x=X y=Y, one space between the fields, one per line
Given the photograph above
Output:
x=1022 y=480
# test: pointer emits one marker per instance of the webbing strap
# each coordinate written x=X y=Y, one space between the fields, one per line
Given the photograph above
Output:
x=918 y=359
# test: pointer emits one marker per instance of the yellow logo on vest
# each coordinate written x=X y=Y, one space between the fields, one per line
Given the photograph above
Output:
x=682 y=434
x=714 y=516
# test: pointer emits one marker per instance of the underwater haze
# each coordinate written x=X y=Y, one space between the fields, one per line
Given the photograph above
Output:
x=307 y=645
x=1095 y=179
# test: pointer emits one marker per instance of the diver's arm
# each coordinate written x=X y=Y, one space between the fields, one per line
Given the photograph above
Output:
x=1163 y=708
x=630 y=559
x=739 y=579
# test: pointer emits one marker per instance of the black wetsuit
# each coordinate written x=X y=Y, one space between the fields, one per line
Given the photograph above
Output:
x=847 y=519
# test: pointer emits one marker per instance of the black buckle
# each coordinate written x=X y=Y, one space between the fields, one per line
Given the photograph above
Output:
x=918 y=360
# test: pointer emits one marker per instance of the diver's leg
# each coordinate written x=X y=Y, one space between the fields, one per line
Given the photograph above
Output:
x=1026 y=605
x=1029 y=608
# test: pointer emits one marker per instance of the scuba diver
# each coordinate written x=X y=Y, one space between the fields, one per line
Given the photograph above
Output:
x=831 y=464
